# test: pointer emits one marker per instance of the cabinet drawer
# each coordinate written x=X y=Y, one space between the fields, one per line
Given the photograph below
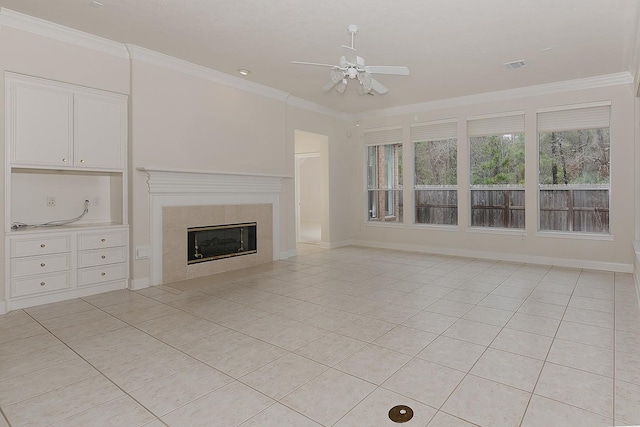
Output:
x=40 y=284
x=40 y=245
x=105 y=273
x=94 y=257
x=40 y=265
x=105 y=239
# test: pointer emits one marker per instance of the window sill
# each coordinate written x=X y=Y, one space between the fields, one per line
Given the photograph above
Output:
x=575 y=235
x=497 y=230
x=435 y=227
x=383 y=224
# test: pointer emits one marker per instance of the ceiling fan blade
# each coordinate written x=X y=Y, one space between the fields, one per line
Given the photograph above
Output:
x=314 y=63
x=378 y=87
x=328 y=86
x=387 y=69
x=350 y=55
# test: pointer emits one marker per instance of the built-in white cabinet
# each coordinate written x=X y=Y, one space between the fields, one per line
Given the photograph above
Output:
x=39 y=123
x=50 y=266
x=52 y=124
x=64 y=144
x=99 y=130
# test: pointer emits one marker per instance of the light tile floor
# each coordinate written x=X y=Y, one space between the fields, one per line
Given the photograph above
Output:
x=334 y=337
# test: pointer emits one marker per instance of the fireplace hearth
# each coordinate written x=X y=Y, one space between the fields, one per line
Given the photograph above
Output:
x=214 y=242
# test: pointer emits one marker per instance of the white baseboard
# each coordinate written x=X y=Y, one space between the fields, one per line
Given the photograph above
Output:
x=529 y=259
x=137 y=284
x=333 y=245
x=3 y=307
x=288 y=254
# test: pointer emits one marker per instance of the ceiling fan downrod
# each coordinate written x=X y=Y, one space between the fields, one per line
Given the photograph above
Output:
x=353 y=30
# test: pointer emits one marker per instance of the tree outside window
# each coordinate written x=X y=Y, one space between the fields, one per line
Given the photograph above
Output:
x=497 y=180
x=574 y=180
x=435 y=188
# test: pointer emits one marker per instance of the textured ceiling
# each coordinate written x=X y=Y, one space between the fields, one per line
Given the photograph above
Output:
x=452 y=47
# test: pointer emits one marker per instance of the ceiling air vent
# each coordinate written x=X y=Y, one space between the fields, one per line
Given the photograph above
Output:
x=515 y=64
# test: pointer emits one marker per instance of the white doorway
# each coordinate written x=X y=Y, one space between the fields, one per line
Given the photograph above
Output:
x=309 y=202
x=311 y=188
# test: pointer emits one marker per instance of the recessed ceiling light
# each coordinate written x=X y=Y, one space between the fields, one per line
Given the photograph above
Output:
x=96 y=4
x=515 y=64
x=243 y=72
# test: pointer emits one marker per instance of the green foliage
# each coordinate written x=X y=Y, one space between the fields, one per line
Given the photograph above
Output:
x=436 y=162
x=497 y=159
x=575 y=157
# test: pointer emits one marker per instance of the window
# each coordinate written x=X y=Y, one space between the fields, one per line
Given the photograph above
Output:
x=435 y=181
x=497 y=171
x=574 y=169
x=384 y=175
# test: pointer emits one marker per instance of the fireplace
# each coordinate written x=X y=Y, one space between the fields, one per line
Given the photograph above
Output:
x=179 y=200
x=220 y=241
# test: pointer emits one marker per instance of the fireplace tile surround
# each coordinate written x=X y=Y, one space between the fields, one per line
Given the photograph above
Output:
x=176 y=220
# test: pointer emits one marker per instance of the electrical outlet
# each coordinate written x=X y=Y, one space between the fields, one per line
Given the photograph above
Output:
x=51 y=201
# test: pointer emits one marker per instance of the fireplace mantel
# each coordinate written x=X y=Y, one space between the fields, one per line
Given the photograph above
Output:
x=191 y=181
x=170 y=187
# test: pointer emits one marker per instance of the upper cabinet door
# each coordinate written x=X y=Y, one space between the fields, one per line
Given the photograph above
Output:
x=100 y=130
x=40 y=124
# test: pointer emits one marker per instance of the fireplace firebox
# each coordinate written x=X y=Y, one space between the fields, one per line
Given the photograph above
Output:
x=220 y=241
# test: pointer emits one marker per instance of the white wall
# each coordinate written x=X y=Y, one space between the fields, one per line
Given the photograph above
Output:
x=188 y=123
x=310 y=178
x=611 y=252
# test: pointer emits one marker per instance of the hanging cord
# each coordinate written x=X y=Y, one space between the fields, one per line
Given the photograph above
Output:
x=19 y=225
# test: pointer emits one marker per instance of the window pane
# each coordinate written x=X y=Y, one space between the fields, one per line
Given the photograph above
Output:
x=497 y=178
x=384 y=182
x=574 y=180
x=436 y=194
x=497 y=159
x=437 y=206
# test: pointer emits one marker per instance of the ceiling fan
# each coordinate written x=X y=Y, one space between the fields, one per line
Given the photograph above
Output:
x=351 y=67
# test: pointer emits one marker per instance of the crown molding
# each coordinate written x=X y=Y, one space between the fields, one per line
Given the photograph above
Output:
x=522 y=92
x=142 y=54
x=61 y=33
x=294 y=101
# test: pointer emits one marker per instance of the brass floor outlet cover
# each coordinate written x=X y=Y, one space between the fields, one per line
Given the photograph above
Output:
x=400 y=414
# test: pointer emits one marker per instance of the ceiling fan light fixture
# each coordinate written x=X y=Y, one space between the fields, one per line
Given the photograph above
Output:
x=351 y=66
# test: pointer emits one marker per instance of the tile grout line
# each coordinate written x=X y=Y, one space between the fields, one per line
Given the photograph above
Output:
x=97 y=370
x=549 y=351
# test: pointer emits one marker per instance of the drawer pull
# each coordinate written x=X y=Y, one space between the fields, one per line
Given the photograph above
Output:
x=103 y=257
x=42 y=283
x=64 y=160
x=103 y=240
x=81 y=161
x=42 y=245
x=103 y=274
x=42 y=264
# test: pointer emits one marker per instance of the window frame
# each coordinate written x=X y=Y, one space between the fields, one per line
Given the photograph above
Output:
x=434 y=131
x=500 y=124
x=387 y=136
x=588 y=118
